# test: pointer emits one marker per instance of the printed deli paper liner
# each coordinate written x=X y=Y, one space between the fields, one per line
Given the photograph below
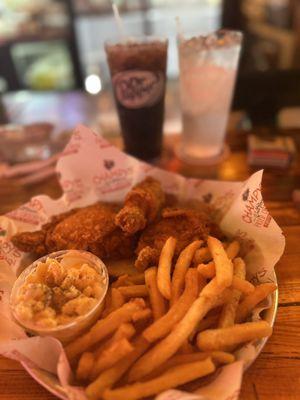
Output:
x=91 y=169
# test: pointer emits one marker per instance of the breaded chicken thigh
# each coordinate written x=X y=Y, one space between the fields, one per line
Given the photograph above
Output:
x=90 y=228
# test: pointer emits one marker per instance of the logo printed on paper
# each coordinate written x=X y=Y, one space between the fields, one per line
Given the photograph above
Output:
x=260 y=277
x=246 y=194
x=73 y=189
x=102 y=143
x=113 y=180
x=255 y=211
x=30 y=213
x=207 y=197
x=9 y=253
x=108 y=164
x=137 y=89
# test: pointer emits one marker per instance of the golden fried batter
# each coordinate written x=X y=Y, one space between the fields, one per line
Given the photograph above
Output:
x=184 y=224
x=142 y=205
x=90 y=228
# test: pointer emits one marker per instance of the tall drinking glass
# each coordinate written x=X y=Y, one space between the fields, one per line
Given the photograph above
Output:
x=208 y=66
x=138 y=74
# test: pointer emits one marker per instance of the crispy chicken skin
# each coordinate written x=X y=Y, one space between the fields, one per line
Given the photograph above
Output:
x=184 y=224
x=90 y=228
x=146 y=257
x=142 y=205
x=141 y=226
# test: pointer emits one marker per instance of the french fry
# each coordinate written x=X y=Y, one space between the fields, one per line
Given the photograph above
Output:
x=125 y=331
x=168 y=346
x=164 y=325
x=201 y=282
x=201 y=256
x=242 y=285
x=183 y=359
x=232 y=250
x=186 y=348
x=209 y=270
x=145 y=314
x=228 y=313
x=208 y=322
x=221 y=357
x=110 y=376
x=114 y=301
x=111 y=356
x=107 y=304
x=164 y=268
x=237 y=283
x=129 y=280
x=218 y=357
x=138 y=279
x=220 y=339
x=157 y=301
x=224 y=268
x=133 y=291
x=211 y=320
x=117 y=299
x=103 y=328
x=117 y=268
x=171 y=378
x=182 y=264
x=121 y=281
x=177 y=360
x=222 y=298
x=249 y=302
x=85 y=366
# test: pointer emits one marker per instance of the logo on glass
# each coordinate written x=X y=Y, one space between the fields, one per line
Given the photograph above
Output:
x=137 y=89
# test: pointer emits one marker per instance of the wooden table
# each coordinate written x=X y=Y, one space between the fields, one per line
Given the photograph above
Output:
x=276 y=373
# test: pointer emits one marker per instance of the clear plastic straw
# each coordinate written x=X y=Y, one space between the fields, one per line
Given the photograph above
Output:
x=179 y=28
x=118 y=19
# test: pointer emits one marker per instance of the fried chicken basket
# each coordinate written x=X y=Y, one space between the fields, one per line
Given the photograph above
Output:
x=91 y=169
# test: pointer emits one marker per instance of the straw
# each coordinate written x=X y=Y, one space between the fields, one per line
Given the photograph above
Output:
x=118 y=20
x=179 y=28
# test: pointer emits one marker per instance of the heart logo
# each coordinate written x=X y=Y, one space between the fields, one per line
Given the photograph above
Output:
x=109 y=164
x=207 y=197
x=246 y=194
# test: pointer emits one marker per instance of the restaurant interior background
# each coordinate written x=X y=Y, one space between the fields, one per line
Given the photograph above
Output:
x=51 y=46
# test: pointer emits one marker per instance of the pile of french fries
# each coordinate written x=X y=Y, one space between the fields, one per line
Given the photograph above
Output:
x=170 y=324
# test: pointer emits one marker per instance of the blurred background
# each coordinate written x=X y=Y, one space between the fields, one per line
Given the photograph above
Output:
x=51 y=46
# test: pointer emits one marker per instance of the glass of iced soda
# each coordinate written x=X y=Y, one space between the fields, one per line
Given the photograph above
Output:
x=138 y=74
x=208 y=66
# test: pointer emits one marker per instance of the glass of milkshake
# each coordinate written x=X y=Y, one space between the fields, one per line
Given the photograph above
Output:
x=208 y=66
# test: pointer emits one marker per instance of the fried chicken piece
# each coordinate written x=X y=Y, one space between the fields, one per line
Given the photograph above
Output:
x=146 y=257
x=142 y=205
x=184 y=224
x=90 y=228
x=35 y=241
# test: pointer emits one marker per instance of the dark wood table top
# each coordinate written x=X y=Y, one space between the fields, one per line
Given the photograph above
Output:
x=276 y=373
